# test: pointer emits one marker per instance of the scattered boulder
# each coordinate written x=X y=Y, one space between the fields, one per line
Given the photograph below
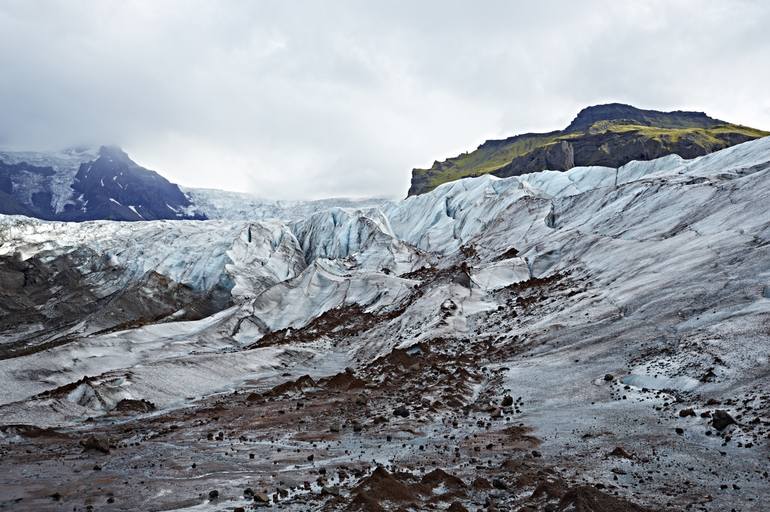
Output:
x=721 y=419
x=213 y=494
x=439 y=477
x=401 y=411
x=384 y=486
x=93 y=443
x=499 y=484
x=686 y=412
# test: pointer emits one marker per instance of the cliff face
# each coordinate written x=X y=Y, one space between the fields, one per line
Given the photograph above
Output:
x=608 y=135
x=80 y=184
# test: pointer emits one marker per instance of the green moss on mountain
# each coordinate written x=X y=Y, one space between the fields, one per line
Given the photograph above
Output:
x=610 y=135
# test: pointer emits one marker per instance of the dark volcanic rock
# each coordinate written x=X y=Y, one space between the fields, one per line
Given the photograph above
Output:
x=137 y=406
x=608 y=149
x=603 y=135
x=720 y=420
x=96 y=444
x=107 y=185
x=620 y=112
x=401 y=411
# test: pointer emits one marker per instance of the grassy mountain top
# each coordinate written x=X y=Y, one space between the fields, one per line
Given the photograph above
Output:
x=616 y=112
x=609 y=135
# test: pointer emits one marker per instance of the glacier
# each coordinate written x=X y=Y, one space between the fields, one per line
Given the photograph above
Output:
x=653 y=274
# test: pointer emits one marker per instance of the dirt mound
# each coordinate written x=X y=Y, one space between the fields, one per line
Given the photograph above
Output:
x=342 y=322
x=589 y=499
x=343 y=381
x=382 y=486
x=582 y=498
x=294 y=386
x=439 y=477
x=362 y=503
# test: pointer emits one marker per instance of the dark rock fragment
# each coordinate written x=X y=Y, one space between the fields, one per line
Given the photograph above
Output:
x=401 y=411
x=721 y=420
x=96 y=444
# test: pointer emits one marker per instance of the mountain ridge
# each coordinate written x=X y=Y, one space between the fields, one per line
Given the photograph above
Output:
x=611 y=135
x=83 y=184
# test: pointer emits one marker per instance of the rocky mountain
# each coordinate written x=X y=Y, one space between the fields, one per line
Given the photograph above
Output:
x=80 y=184
x=594 y=339
x=606 y=135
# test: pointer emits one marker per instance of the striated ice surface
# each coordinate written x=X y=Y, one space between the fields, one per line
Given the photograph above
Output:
x=652 y=238
x=65 y=163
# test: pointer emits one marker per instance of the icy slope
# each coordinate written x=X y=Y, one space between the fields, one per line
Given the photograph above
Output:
x=224 y=205
x=245 y=259
x=199 y=254
x=361 y=236
x=65 y=165
x=455 y=212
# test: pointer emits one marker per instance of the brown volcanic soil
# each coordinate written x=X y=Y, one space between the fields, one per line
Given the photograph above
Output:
x=421 y=428
x=429 y=426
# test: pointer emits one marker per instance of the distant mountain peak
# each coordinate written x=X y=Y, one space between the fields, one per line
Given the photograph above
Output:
x=112 y=150
x=622 y=112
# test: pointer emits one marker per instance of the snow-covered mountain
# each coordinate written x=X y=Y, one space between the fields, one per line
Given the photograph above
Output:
x=82 y=183
x=594 y=338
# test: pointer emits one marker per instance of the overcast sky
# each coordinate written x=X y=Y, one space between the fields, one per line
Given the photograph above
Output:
x=293 y=99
